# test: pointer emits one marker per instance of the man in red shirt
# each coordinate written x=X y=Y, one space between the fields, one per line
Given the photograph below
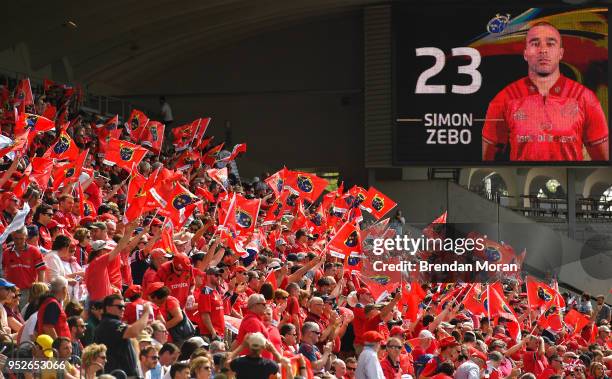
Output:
x=158 y=257
x=364 y=297
x=253 y=321
x=210 y=306
x=178 y=276
x=64 y=214
x=449 y=352
x=23 y=264
x=545 y=116
x=555 y=367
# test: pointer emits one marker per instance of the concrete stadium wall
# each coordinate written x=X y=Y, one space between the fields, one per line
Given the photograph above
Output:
x=295 y=96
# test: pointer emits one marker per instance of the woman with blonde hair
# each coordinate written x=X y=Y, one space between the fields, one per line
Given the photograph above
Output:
x=93 y=360
x=37 y=290
x=201 y=368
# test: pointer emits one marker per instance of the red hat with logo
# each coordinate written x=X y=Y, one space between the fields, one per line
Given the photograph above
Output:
x=372 y=337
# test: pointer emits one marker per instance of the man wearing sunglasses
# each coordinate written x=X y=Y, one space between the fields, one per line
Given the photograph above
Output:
x=116 y=335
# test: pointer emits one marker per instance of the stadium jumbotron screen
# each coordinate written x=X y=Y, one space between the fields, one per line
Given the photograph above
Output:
x=488 y=86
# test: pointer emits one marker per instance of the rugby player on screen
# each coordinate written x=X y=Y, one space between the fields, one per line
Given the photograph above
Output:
x=545 y=116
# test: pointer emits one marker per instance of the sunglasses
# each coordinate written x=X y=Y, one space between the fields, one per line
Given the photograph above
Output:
x=394 y=347
x=120 y=306
x=351 y=368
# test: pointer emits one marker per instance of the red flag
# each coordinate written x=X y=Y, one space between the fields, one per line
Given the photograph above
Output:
x=276 y=181
x=124 y=154
x=136 y=123
x=34 y=123
x=576 y=320
x=412 y=296
x=474 y=300
x=206 y=194
x=240 y=148
x=69 y=171
x=540 y=295
x=498 y=307
x=377 y=203
x=153 y=136
x=345 y=241
x=166 y=241
x=308 y=186
x=218 y=175
x=189 y=158
x=109 y=130
x=246 y=213
x=41 y=171
x=199 y=127
x=210 y=157
x=379 y=291
x=64 y=148
x=136 y=196
x=179 y=205
x=23 y=94
x=271 y=278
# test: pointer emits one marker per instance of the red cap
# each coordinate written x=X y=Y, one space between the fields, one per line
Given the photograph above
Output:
x=156 y=222
x=372 y=337
x=475 y=353
x=397 y=330
x=448 y=342
x=132 y=290
x=152 y=287
x=54 y=224
x=363 y=290
x=181 y=262
x=239 y=269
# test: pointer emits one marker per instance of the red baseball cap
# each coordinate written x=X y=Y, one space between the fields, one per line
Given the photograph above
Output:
x=363 y=291
x=372 y=337
x=152 y=287
x=159 y=253
x=156 y=222
x=181 y=261
x=475 y=353
x=107 y=217
x=397 y=330
x=239 y=269
x=133 y=290
x=86 y=220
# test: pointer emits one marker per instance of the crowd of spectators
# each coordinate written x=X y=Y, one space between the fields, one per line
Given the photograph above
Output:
x=117 y=299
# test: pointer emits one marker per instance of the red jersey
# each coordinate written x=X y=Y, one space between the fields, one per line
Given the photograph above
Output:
x=149 y=277
x=67 y=219
x=179 y=283
x=23 y=268
x=97 y=279
x=134 y=309
x=252 y=323
x=391 y=370
x=545 y=128
x=211 y=302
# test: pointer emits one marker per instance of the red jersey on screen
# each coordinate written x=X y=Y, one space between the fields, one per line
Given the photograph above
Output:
x=545 y=128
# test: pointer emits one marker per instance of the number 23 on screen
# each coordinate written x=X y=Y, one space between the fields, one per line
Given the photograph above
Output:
x=470 y=69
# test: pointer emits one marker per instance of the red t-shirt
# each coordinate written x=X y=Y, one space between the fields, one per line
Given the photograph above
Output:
x=359 y=323
x=22 y=268
x=114 y=272
x=67 y=219
x=171 y=304
x=179 y=284
x=149 y=277
x=251 y=323
x=126 y=269
x=550 y=128
x=211 y=302
x=133 y=308
x=97 y=279
x=44 y=237
x=534 y=363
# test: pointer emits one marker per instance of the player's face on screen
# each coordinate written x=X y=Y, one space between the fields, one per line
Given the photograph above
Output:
x=543 y=50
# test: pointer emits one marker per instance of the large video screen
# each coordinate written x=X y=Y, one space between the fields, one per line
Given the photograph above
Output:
x=489 y=86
